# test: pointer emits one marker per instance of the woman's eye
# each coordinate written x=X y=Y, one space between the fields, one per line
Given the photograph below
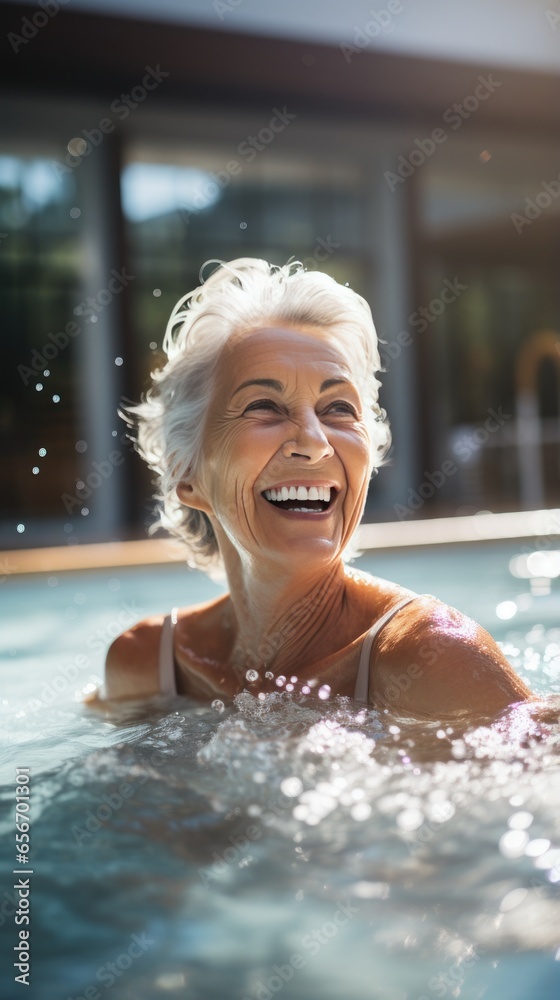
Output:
x=341 y=406
x=262 y=404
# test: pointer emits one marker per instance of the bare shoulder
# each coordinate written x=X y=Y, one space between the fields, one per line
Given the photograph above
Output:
x=132 y=664
x=432 y=660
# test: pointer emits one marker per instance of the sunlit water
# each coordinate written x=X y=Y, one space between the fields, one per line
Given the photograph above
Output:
x=292 y=846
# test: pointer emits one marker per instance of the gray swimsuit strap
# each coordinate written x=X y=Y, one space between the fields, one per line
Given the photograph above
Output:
x=362 y=680
x=167 y=660
x=167 y=683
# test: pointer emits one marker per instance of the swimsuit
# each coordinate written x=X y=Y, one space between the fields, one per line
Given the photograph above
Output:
x=167 y=661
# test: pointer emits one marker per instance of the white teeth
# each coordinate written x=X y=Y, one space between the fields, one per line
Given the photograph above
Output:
x=299 y=493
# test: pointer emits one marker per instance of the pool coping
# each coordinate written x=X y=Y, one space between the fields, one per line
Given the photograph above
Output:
x=543 y=525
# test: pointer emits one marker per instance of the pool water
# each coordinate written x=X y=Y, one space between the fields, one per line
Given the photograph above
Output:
x=293 y=847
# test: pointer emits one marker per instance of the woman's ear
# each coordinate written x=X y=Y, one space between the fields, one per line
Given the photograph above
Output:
x=190 y=496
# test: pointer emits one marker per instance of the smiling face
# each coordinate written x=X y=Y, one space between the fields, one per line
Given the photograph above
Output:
x=286 y=448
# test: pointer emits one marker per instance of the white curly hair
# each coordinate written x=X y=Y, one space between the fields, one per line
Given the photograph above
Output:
x=243 y=294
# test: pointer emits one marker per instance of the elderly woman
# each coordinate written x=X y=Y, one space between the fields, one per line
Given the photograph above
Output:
x=264 y=429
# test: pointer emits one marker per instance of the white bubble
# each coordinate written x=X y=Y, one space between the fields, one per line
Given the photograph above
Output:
x=68 y=527
x=511 y=899
x=56 y=398
x=118 y=361
x=289 y=687
x=153 y=345
x=39 y=386
x=506 y=610
x=280 y=681
x=305 y=689
x=360 y=811
x=81 y=446
x=218 y=705
x=520 y=820
x=84 y=511
x=324 y=692
x=513 y=843
x=42 y=452
x=269 y=675
x=77 y=146
x=410 y=819
x=114 y=584
x=79 y=598
x=291 y=787
x=35 y=470
x=537 y=847
x=243 y=225
x=52 y=581
x=20 y=528
x=46 y=373
x=251 y=676
x=75 y=213
x=157 y=292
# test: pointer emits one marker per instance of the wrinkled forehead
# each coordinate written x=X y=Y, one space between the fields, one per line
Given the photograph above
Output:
x=276 y=346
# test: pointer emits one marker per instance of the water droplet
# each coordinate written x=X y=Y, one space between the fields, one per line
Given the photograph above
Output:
x=305 y=689
x=269 y=675
x=46 y=373
x=93 y=319
x=324 y=692
x=157 y=292
x=410 y=819
x=81 y=446
x=293 y=679
x=20 y=528
x=56 y=399
x=39 y=386
x=84 y=511
x=218 y=705
x=79 y=598
x=243 y=225
x=289 y=687
x=113 y=434
x=75 y=213
x=35 y=470
x=520 y=820
x=280 y=681
x=153 y=345
x=251 y=676
x=118 y=361
x=114 y=584
x=52 y=581
x=77 y=146
x=68 y=527
x=42 y=452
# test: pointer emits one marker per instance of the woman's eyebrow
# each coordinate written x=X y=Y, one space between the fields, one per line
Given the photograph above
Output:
x=272 y=383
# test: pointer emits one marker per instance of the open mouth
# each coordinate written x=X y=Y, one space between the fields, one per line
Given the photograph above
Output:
x=301 y=499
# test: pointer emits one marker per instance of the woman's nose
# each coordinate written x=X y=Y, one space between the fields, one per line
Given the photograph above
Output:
x=309 y=439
